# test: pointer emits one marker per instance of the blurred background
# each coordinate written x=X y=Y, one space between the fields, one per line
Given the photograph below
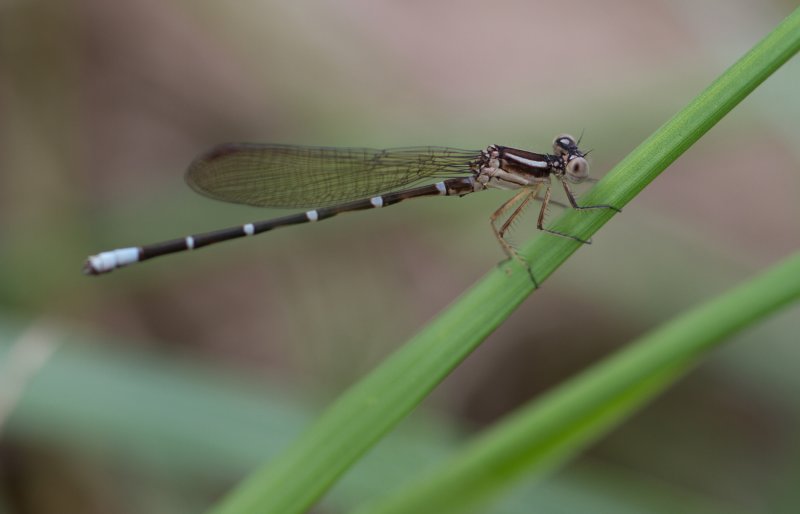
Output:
x=155 y=388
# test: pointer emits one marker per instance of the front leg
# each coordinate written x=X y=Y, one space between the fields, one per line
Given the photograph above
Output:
x=542 y=212
x=574 y=203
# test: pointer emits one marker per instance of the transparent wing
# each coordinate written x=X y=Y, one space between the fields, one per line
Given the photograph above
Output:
x=304 y=176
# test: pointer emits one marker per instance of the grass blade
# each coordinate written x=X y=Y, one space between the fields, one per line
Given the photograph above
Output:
x=539 y=437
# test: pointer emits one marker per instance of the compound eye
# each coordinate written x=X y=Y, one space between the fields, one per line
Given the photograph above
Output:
x=564 y=144
x=577 y=170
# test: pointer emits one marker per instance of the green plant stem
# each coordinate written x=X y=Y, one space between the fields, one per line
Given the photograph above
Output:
x=540 y=436
x=370 y=408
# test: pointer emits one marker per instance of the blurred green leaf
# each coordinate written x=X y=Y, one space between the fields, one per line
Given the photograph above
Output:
x=549 y=431
x=182 y=429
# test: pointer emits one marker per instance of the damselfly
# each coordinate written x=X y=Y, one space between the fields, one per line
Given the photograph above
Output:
x=337 y=180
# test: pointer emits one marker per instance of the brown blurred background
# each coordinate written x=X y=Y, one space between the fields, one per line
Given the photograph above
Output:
x=102 y=106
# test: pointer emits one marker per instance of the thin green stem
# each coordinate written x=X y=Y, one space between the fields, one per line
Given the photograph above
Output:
x=542 y=435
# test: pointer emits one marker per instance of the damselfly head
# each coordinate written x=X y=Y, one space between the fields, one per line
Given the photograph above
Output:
x=577 y=170
x=565 y=145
